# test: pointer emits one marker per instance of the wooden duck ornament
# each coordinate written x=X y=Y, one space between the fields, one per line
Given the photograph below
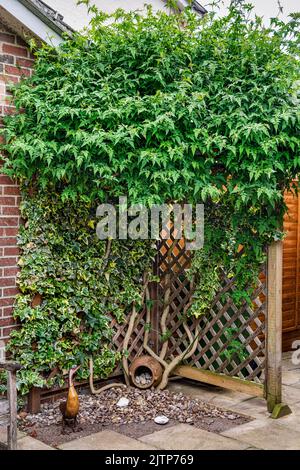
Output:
x=70 y=408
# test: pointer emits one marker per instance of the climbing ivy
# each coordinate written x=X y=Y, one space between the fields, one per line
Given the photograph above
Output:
x=70 y=290
x=161 y=108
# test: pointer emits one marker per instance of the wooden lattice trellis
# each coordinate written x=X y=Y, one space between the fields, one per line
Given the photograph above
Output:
x=135 y=346
x=247 y=324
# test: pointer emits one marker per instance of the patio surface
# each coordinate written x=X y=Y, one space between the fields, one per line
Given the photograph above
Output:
x=261 y=433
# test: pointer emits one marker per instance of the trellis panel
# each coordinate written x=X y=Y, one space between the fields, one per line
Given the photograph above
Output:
x=247 y=323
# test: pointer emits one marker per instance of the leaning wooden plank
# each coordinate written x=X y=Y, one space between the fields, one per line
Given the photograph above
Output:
x=221 y=380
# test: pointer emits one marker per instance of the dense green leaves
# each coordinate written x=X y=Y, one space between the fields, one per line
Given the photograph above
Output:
x=81 y=291
x=147 y=108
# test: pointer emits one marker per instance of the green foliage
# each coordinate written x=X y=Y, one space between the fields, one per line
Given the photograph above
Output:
x=3 y=382
x=235 y=349
x=63 y=261
x=161 y=109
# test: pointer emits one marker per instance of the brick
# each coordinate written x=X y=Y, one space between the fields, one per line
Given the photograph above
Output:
x=9 y=78
x=9 y=110
x=10 y=211
x=5 y=101
x=9 y=241
x=21 y=41
x=6 y=37
x=9 y=221
x=8 y=261
x=11 y=251
x=11 y=190
x=10 y=231
x=12 y=70
x=6 y=180
x=8 y=311
x=29 y=63
x=8 y=282
x=7 y=272
x=7 y=201
x=8 y=59
x=10 y=291
x=6 y=331
x=15 y=50
x=8 y=302
x=8 y=321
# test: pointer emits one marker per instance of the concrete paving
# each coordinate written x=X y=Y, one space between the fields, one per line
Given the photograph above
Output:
x=106 y=440
x=29 y=443
x=186 y=437
x=24 y=442
x=267 y=436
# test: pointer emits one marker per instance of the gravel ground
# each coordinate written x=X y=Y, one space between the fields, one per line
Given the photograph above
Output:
x=99 y=412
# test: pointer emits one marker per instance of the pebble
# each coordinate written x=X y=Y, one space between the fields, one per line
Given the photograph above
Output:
x=143 y=379
x=123 y=402
x=231 y=417
x=161 y=419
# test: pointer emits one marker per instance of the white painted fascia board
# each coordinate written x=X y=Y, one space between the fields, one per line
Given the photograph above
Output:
x=31 y=22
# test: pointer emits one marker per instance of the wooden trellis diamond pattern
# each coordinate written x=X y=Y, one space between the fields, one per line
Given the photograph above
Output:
x=135 y=346
x=223 y=325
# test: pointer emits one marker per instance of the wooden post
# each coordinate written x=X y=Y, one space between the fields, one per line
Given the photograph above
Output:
x=12 y=394
x=274 y=332
x=34 y=401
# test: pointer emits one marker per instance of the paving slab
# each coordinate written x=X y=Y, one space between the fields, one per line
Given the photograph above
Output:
x=186 y=437
x=106 y=440
x=267 y=436
x=291 y=377
x=29 y=443
x=254 y=407
x=290 y=394
x=289 y=364
x=292 y=420
x=3 y=434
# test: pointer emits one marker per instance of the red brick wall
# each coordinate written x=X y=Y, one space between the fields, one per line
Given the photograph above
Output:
x=15 y=61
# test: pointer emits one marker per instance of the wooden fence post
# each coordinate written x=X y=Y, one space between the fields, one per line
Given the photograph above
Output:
x=12 y=395
x=274 y=332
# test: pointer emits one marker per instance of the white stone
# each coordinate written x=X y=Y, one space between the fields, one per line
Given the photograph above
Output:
x=161 y=419
x=123 y=402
